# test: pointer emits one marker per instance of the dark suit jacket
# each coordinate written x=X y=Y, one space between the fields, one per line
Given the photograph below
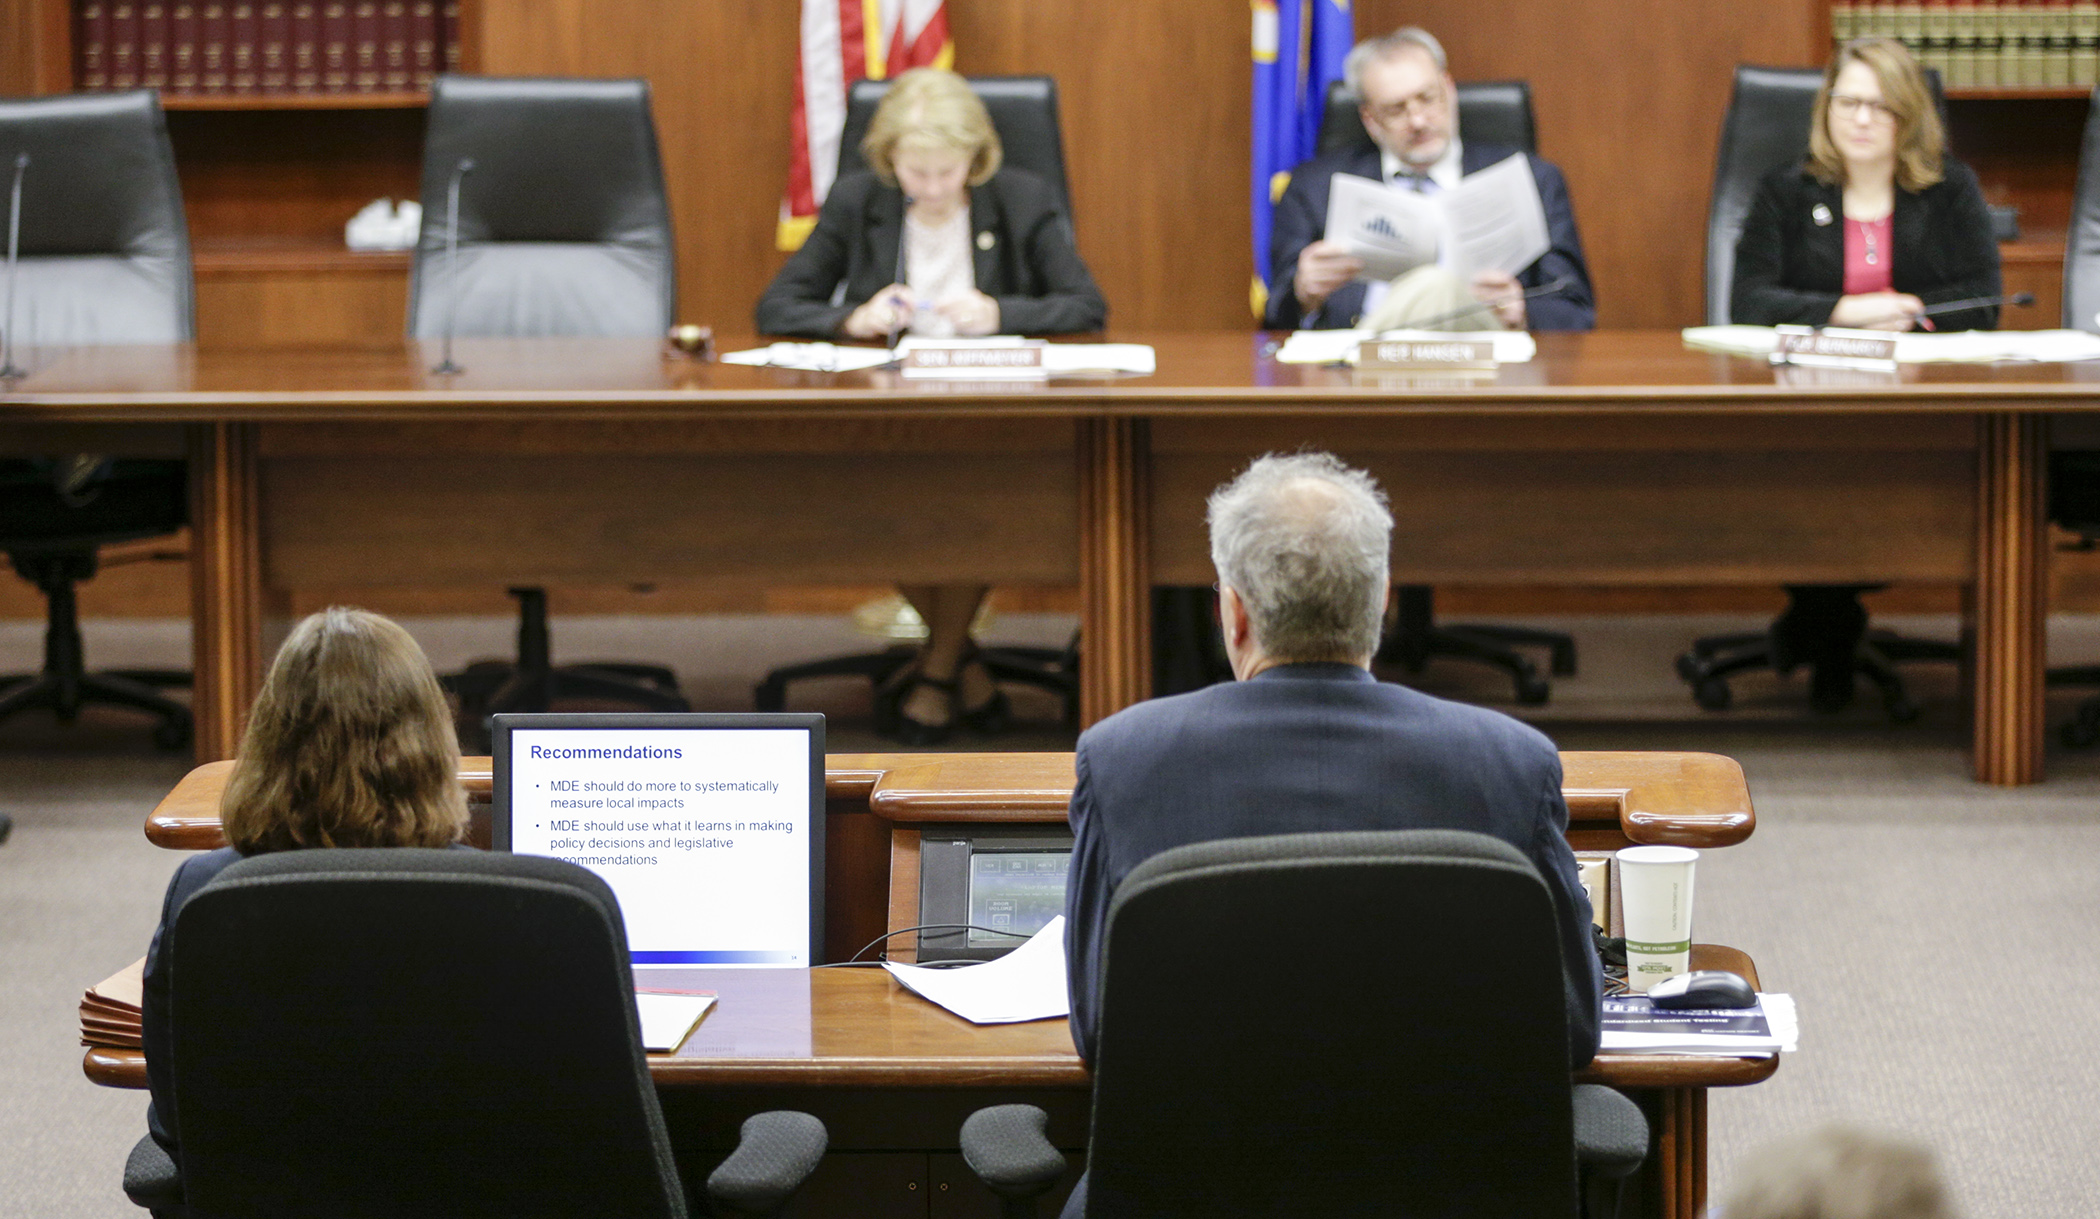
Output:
x=1790 y=270
x=1030 y=266
x=1301 y=219
x=1304 y=748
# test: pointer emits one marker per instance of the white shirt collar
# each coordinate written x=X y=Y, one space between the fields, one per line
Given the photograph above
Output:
x=1446 y=172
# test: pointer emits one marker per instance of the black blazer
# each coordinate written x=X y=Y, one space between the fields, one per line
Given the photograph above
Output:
x=1301 y=219
x=1790 y=269
x=1304 y=748
x=1026 y=259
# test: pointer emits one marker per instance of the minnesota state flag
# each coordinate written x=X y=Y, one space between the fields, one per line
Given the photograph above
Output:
x=1299 y=46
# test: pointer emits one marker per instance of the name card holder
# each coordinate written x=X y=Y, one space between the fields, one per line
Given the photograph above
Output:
x=1425 y=355
x=1819 y=347
x=974 y=360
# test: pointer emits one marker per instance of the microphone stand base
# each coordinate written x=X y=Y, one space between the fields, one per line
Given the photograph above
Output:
x=446 y=369
x=12 y=371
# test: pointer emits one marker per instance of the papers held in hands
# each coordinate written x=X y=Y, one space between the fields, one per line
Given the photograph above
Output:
x=1633 y=1025
x=1490 y=221
x=668 y=1017
x=1025 y=984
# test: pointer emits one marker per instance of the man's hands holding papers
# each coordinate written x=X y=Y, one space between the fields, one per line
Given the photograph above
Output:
x=1323 y=267
x=1025 y=984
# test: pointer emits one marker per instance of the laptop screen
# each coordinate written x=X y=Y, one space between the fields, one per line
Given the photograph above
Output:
x=709 y=828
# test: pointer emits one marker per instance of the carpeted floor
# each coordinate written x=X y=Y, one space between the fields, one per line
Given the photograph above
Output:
x=1939 y=936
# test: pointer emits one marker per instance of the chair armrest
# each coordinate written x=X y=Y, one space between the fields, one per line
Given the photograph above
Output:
x=151 y=1178
x=1008 y=1147
x=1611 y=1133
x=774 y=1155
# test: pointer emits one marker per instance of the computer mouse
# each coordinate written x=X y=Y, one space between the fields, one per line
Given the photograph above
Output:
x=1702 y=989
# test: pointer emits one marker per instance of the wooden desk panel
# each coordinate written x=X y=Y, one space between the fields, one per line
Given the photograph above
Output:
x=1538 y=472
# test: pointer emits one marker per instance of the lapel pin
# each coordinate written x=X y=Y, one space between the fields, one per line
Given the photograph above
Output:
x=1821 y=214
x=985 y=240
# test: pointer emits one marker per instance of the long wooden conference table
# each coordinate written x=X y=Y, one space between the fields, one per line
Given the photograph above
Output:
x=893 y=1076
x=1613 y=458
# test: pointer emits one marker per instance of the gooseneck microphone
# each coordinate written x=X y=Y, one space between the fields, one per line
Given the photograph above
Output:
x=903 y=240
x=1559 y=285
x=8 y=369
x=446 y=366
x=1978 y=302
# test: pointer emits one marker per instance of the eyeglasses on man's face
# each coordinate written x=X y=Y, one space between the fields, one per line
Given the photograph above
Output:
x=1871 y=109
x=1429 y=101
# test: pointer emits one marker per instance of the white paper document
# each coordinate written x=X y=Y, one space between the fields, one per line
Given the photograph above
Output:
x=1025 y=984
x=1631 y=1027
x=1340 y=346
x=666 y=1019
x=1955 y=347
x=811 y=357
x=1491 y=221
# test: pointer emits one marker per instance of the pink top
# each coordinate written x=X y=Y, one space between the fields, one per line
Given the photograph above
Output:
x=1868 y=260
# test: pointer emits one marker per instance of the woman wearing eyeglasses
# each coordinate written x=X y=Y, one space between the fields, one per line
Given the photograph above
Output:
x=1879 y=223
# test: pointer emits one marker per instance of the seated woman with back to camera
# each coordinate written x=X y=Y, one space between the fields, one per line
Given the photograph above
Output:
x=350 y=744
x=1879 y=223
x=985 y=250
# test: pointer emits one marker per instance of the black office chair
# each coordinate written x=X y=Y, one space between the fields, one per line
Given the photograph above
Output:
x=1489 y=112
x=1280 y=1036
x=2074 y=474
x=105 y=258
x=1024 y=111
x=564 y=230
x=1824 y=626
x=418 y=1032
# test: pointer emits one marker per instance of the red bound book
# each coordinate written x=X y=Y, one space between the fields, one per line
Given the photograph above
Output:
x=153 y=44
x=422 y=43
x=448 y=33
x=182 y=46
x=364 y=24
x=214 y=33
x=122 y=44
x=90 y=54
x=393 y=45
x=274 y=46
x=305 y=46
x=243 y=47
x=335 y=46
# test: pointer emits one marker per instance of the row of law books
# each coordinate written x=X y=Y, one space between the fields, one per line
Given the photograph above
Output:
x=187 y=47
x=1986 y=44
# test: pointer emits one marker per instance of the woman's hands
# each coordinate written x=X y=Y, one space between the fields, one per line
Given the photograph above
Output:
x=1877 y=311
x=891 y=310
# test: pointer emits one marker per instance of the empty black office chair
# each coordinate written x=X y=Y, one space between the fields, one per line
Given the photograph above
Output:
x=564 y=230
x=1489 y=112
x=1331 y=1071
x=1024 y=112
x=2074 y=472
x=1824 y=626
x=417 y=1032
x=105 y=258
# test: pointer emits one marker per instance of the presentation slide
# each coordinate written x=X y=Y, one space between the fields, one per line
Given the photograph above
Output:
x=703 y=834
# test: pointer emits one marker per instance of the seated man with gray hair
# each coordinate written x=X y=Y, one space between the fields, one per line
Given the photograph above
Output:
x=1307 y=739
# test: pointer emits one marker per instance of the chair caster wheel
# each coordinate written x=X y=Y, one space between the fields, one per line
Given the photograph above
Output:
x=1533 y=691
x=2080 y=733
x=769 y=696
x=1564 y=660
x=1900 y=709
x=1712 y=693
x=171 y=736
x=1690 y=668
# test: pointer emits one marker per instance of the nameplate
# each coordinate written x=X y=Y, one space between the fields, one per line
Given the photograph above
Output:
x=974 y=361
x=1427 y=355
x=1811 y=347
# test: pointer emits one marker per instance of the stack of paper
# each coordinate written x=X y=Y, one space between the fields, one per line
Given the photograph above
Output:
x=109 y=1011
x=1340 y=346
x=668 y=1017
x=1025 y=984
x=1634 y=1025
x=1059 y=359
x=811 y=357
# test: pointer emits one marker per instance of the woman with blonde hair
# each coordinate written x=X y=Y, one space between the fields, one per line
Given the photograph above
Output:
x=349 y=744
x=986 y=249
x=1878 y=223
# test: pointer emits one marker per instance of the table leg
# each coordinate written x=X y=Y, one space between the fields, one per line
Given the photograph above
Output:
x=2011 y=597
x=1115 y=577
x=1680 y=1155
x=225 y=582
